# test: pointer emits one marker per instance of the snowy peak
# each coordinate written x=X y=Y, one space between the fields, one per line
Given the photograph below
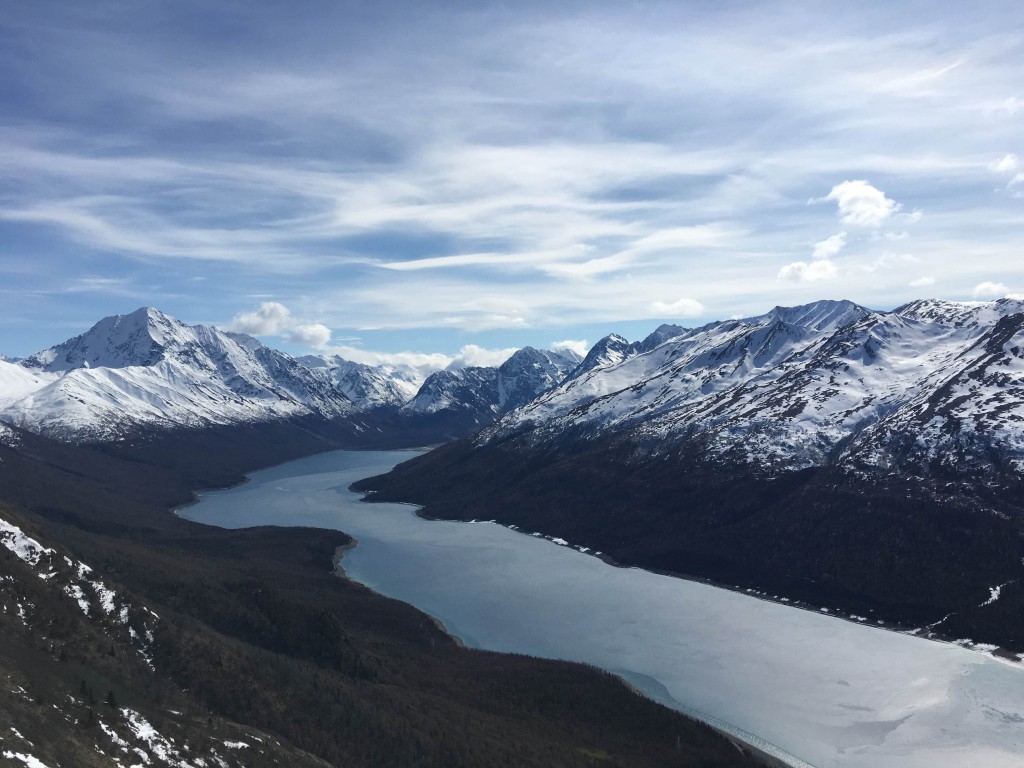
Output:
x=529 y=372
x=825 y=383
x=609 y=351
x=960 y=314
x=471 y=389
x=368 y=386
x=659 y=336
x=486 y=392
x=119 y=341
x=146 y=368
x=820 y=315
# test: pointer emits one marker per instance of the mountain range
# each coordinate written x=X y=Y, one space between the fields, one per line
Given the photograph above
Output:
x=927 y=386
x=149 y=370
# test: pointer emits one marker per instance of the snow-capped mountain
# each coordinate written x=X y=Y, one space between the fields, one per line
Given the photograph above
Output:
x=484 y=393
x=819 y=384
x=147 y=368
x=368 y=386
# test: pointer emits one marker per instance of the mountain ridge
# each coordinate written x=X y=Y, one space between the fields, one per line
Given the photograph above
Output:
x=846 y=457
x=146 y=370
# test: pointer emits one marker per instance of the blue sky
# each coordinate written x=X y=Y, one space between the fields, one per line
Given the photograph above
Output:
x=388 y=178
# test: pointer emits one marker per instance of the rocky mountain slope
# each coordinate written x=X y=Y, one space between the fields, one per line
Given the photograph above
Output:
x=75 y=654
x=482 y=394
x=831 y=383
x=368 y=386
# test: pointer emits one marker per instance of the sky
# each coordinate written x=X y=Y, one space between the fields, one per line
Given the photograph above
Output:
x=423 y=181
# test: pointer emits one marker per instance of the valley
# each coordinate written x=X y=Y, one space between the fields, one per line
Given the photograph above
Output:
x=802 y=685
x=857 y=463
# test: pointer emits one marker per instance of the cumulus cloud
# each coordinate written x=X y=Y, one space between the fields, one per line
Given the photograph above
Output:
x=311 y=335
x=472 y=355
x=1007 y=164
x=272 y=318
x=422 y=362
x=990 y=290
x=579 y=346
x=679 y=308
x=269 y=319
x=922 y=282
x=861 y=205
x=830 y=246
x=802 y=272
x=425 y=363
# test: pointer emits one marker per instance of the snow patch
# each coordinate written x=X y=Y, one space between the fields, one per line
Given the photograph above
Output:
x=76 y=593
x=994 y=593
x=28 y=760
x=24 y=547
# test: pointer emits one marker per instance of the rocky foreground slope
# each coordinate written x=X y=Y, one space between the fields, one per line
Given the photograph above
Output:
x=131 y=637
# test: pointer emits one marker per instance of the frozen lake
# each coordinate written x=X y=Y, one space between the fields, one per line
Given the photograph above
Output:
x=812 y=689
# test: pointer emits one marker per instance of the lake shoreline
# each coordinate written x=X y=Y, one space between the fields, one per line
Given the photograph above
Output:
x=339 y=571
x=806 y=684
x=1000 y=654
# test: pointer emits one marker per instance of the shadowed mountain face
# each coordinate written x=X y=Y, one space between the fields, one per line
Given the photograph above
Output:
x=872 y=460
x=487 y=393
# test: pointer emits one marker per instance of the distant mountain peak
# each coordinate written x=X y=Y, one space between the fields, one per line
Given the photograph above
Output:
x=821 y=315
x=117 y=341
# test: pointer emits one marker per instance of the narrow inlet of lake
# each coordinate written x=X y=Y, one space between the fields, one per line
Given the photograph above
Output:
x=807 y=687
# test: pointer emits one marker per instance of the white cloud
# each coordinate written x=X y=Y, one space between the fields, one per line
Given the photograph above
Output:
x=424 y=362
x=473 y=355
x=311 y=335
x=678 y=308
x=579 y=346
x=862 y=205
x=990 y=290
x=1015 y=296
x=922 y=282
x=1008 y=164
x=830 y=246
x=272 y=318
x=802 y=272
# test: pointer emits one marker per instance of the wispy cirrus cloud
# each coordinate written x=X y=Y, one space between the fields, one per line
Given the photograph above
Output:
x=389 y=165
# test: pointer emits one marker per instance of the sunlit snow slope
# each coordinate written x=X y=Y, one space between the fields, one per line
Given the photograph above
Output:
x=824 y=383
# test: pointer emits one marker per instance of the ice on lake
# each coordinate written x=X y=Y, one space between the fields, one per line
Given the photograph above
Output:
x=817 y=690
